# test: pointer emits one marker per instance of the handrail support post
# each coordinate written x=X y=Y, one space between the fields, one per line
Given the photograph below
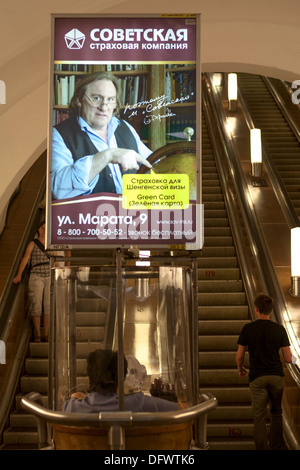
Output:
x=116 y=437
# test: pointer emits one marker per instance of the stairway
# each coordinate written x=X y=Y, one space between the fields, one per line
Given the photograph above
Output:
x=18 y=215
x=280 y=141
x=222 y=310
x=22 y=431
x=91 y=327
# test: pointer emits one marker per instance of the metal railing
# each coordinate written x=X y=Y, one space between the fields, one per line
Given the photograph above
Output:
x=9 y=303
x=117 y=422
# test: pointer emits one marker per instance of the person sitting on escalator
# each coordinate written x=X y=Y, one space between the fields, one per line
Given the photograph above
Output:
x=102 y=369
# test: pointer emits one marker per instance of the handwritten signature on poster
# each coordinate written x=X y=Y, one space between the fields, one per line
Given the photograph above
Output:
x=155 y=108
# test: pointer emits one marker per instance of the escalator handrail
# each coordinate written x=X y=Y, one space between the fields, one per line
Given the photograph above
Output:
x=9 y=302
x=231 y=201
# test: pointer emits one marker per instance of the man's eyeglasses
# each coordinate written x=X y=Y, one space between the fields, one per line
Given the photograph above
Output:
x=98 y=100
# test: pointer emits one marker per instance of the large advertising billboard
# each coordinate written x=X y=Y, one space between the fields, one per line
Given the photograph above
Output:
x=124 y=153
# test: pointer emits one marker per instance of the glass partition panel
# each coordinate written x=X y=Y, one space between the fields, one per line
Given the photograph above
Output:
x=156 y=311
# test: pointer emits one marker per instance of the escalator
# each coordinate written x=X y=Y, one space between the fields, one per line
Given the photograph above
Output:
x=93 y=313
x=224 y=306
x=25 y=211
x=273 y=203
x=223 y=310
x=281 y=143
x=29 y=194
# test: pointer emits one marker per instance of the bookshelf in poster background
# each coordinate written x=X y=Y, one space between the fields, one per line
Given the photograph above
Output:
x=133 y=82
x=180 y=83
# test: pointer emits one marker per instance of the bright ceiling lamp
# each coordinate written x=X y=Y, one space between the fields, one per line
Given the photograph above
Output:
x=217 y=79
x=295 y=261
x=232 y=91
x=255 y=152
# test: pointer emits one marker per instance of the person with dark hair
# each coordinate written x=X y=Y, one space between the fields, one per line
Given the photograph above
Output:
x=264 y=340
x=39 y=282
x=92 y=149
x=102 y=370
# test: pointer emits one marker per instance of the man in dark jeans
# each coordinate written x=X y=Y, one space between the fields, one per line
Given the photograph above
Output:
x=265 y=339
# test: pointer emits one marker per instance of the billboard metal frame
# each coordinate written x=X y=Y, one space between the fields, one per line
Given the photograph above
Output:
x=107 y=241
